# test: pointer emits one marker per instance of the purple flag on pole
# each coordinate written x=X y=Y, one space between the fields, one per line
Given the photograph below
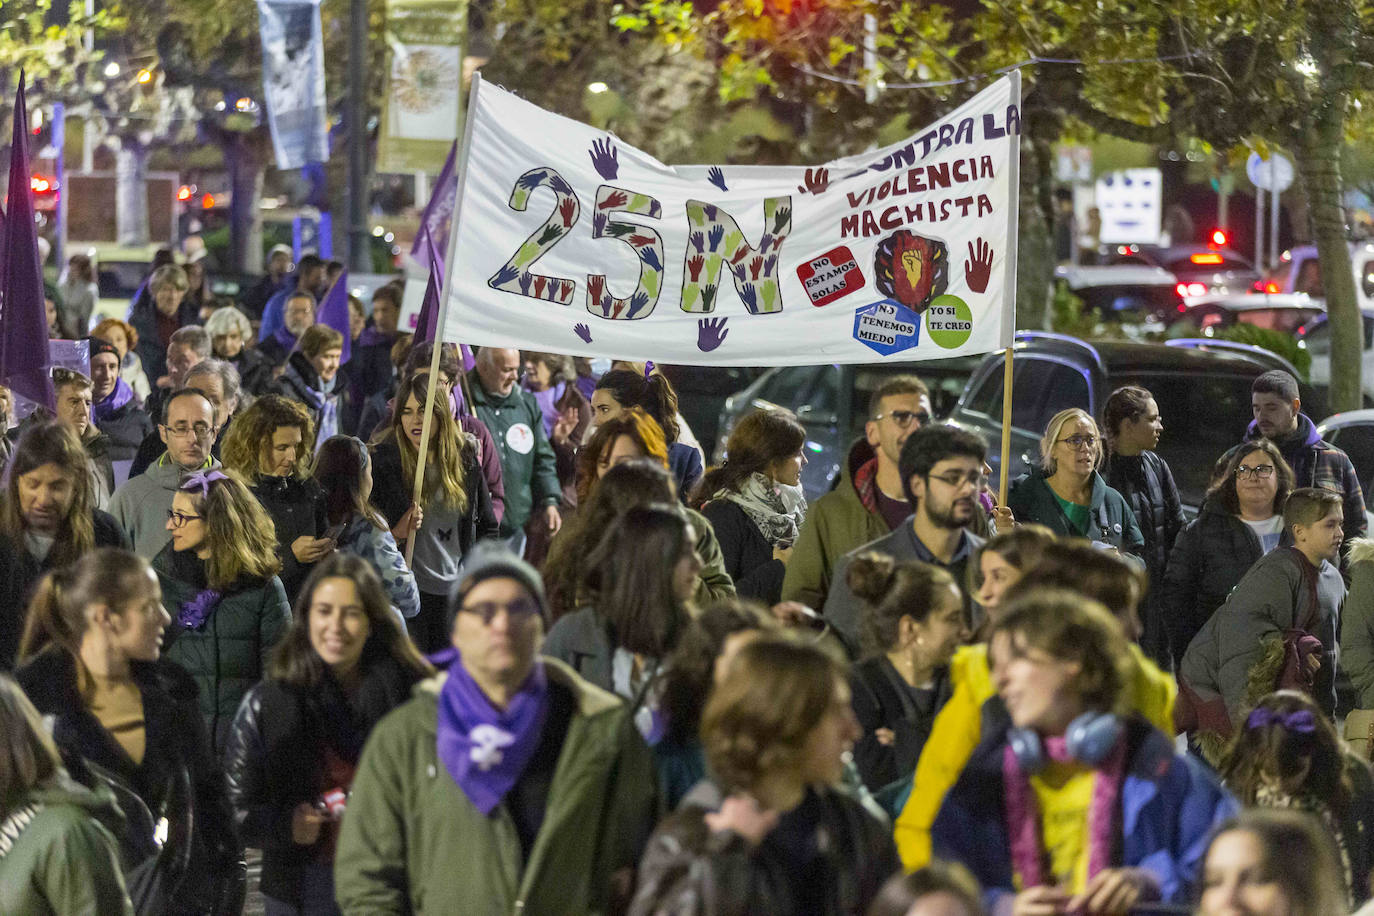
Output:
x=438 y=215
x=23 y=318
x=333 y=312
x=428 y=322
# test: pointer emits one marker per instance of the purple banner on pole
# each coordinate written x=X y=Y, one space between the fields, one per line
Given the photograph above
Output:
x=333 y=312
x=438 y=216
x=24 y=357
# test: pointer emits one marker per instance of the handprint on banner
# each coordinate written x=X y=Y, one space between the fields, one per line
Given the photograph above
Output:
x=613 y=201
x=639 y=241
x=605 y=158
x=583 y=331
x=505 y=275
x=817 y=180
x=978 y=267
x=716 y=177
x=698 y=242
x=568 y=210
x=711 y=333
x=644 y=241
x=515 y=276
x=715 y=235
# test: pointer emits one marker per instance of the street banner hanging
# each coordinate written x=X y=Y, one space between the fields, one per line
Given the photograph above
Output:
x=424 y=84
x=293 y=81
x=570 y=241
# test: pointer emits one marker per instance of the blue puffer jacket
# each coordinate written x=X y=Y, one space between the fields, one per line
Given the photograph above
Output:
x=1170 y=805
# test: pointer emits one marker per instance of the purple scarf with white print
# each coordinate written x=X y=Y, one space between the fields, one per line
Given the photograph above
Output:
x=483 y=748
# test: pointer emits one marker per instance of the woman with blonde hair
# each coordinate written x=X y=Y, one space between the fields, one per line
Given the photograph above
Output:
x=55 y=855
x=770 y=832
x=269 y=446
x=1067 y=494
x=124 y=717
x=219 y=583
x=455 y=510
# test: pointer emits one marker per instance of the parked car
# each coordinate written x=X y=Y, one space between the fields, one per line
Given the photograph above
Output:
x=1285 y=312
x=831 y=401
x=1303 y=275
x=1314 y=336
x=1353 y=433
x=1134 y=294
x=1198 y=269
x=1202 y=388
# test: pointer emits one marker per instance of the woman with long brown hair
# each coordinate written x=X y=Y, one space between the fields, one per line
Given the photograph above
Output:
x=344 y=663
x=754 y=501
x=219 y=582
x=455 y=509
x=125 y=718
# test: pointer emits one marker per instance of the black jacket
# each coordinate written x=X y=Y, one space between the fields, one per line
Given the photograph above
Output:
x=392 y=494
x=255 y=370
x=689 y=869
x=297 y=508
x=1149 y=489
x=176 y=743
x=1210 y=556
x=300 y=375
x=127 y=427
x=881 y=699
x=151 y=349
x=748 y=555
x=20 y=572
x=275 y=759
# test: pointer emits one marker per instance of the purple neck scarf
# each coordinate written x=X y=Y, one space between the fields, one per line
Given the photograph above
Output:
x=193 y=613
x=285 y=338
x=485 y=749
x=106 y=406
x=548 y=404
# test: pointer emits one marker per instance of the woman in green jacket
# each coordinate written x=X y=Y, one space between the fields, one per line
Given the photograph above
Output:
x=55 y=855
x=1068 y=495
x=219 y=583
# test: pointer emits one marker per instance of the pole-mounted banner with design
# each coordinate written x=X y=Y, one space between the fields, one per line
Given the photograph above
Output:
x=568 y=240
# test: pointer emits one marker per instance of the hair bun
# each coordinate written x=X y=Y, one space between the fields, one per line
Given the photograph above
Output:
x=870 y=575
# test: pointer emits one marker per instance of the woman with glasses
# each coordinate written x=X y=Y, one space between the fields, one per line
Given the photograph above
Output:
x=1240 y=521
x=219 y=583
x=454 y=511
x=344 y=664
x=755 y=502
x=269 y=446
x=344 y=468
x=1288 y=755
x=1131 y=422
x=1067 y=494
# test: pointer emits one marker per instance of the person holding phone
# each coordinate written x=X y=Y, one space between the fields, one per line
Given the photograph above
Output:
x=269 y=445
x=755 y=503
x=298 y=735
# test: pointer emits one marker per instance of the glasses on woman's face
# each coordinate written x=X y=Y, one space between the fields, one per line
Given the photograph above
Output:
x=180 y=519
x=1258 y=472
x=1080 y=442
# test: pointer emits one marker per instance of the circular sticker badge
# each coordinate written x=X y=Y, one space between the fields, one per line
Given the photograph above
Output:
x=521 y=438
x=949 y=321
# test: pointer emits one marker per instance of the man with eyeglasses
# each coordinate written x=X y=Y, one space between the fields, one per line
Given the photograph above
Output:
x=507 y=783
x=869 y=501
x=942 y=472
x=140 y=506
x=1315 y=462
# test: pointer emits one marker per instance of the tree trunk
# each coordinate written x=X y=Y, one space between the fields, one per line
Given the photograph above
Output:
x=1319 y=166
x=131 y=193
x=246 y=171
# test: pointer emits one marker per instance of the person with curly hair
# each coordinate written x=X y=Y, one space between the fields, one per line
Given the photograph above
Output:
x=269 y=445
x=219 y=583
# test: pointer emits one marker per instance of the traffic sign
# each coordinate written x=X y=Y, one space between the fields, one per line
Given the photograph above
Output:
x=1272 y=174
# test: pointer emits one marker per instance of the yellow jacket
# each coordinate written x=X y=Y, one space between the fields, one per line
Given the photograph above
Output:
x=957 y=731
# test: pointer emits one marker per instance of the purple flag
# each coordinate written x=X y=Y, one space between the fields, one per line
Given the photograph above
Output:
x=438 y=215
x=24 y=357
x=428 y=322
x=333 y=312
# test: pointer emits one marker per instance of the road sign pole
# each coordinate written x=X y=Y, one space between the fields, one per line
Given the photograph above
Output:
x=1273 y=212
x=1259 y=228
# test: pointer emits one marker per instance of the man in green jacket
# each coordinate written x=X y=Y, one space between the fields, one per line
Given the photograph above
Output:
x=506 y=784
x=869 y=501
x=527 y=460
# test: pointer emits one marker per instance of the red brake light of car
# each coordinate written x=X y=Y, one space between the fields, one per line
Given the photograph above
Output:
x=39 y=184
x=1271 y=287
x=184 y=192
x=1206 y=257
x=1182 y=307
x=1182 y=290
x=207 y=201
x=1220 y=239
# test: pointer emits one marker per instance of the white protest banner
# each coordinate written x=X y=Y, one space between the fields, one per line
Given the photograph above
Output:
x=569 y=241
x=293 y=80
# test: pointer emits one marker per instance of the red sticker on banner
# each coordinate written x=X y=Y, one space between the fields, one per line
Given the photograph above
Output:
x=831 y=276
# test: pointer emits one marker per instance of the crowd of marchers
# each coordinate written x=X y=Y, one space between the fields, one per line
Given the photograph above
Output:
x=578 y=671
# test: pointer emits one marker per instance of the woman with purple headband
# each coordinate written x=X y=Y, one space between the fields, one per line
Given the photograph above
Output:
x=220 y=586
x=1288 y=755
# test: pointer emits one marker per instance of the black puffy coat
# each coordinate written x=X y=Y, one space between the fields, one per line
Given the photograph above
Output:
x=127 y=427
x=881 y=699
x=296 y=505
x=1148 y=486
x=176 y=743
x=275 y=759
x=748 y=555
x=1210 y=556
